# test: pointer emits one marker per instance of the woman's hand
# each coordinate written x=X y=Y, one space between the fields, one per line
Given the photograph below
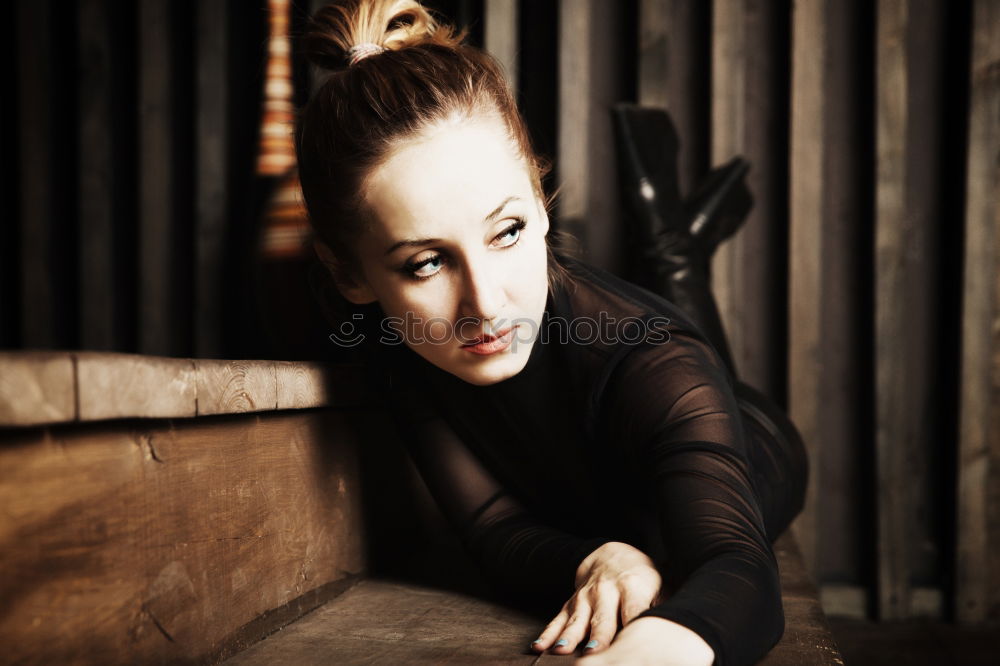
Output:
x=614 y=583
x=654 y=641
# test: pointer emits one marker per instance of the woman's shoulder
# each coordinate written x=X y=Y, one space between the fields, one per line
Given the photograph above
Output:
x=605 y=312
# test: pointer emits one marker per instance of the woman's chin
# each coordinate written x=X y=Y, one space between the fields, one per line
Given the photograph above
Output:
x=483 y=370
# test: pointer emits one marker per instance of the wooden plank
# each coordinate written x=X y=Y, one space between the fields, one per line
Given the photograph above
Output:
x=589 y=63
x=301 y=385
x=807 y=638
x=159 y=542
x=501 y=36
x=396 y=622
x=210 y=205
x=674 y=52
x=977 y=594
x=158 y=333
x=829 y=261
x=749 y=119
x=61 y=387
x=35 y=165
x=36 y=387
x=389 y=621
x=229 y=387
x=97 y=290
x=111 y=386
x=805 y=264
x=907 y=200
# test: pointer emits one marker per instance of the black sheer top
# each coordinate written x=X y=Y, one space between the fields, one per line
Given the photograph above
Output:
x=633 y=435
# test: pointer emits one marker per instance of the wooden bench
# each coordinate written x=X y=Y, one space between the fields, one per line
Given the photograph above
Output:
x=159 y=510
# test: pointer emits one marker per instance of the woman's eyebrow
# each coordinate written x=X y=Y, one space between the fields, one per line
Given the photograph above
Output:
x=416 y=242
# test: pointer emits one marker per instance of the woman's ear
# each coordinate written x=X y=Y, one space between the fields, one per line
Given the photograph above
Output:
x=352 y=287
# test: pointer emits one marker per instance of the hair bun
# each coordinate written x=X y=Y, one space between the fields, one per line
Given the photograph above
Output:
x=340 y=26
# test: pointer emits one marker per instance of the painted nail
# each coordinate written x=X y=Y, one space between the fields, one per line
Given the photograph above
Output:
x=561 y=642
x=590 y=645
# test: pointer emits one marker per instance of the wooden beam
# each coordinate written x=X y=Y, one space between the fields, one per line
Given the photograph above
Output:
x=210 y=205
x=809 y=54
x=674 y=74
x=908 y=50
x=38 y=322
x=749 y=119
x=158 y=332
x=829 y=324
x=168 y=541
x=98 y=292
x=978 y=563
x=501 y=19
x=589 y=62
x=39 y=388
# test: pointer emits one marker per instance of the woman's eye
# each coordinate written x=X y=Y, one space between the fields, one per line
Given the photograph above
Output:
x=512 y=234
x=426 y=268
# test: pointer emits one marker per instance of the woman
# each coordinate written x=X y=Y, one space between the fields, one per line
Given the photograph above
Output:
x=580 y=434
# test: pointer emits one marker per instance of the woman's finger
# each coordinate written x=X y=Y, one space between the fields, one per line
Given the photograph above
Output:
x=604 y=620
x=552 y=630
x=575 y=630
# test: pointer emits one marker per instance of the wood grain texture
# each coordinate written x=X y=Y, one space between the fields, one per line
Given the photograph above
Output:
x=301 y=385
x=39 y=388
x=978 y=565
x=113 y=386
x=36 y=387
x=382 y=621
x=229 y=387
x=158 y=542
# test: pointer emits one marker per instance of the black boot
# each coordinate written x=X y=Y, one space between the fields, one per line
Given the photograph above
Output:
x=674 y=239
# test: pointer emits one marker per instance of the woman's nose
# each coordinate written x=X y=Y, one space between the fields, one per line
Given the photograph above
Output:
x=483 y=298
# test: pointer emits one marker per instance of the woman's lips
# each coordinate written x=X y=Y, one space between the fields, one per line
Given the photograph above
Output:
x=490 y=344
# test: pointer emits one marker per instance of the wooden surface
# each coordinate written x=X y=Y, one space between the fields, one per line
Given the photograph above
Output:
x=211 y=155
x=829 y=328
x=674 y=74
x=978 y=548
x=384 y=621
x=908 y=340
x=501 y=36
x=58 y=387
x=172 y=541
x=749 y=118
x=98 y=297
x=159 y=331
x=589 y=82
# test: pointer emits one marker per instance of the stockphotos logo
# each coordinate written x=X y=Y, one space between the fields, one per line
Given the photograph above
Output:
x=414 y=330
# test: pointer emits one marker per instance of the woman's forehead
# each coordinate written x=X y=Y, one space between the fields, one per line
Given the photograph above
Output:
x=458 y=168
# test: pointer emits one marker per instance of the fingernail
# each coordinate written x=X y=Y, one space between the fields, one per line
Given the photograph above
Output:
x=560 y=642
x=590 y=645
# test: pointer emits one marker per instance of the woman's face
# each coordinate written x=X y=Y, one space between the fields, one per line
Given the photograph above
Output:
x=457 y=249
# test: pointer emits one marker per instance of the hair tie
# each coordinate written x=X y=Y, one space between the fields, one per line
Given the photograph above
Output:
x=359 y=52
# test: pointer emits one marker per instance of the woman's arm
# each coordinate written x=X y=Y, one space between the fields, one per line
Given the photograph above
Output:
x=520 y=556
x=672 y=408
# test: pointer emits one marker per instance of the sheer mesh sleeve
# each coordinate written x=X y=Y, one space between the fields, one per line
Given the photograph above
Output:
x=672 y=409
x=523 y=559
